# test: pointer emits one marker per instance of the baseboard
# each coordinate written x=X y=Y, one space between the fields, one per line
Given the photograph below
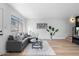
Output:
x=52 y=39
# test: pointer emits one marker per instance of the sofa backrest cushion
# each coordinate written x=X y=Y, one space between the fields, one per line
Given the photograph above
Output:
x=10 y=37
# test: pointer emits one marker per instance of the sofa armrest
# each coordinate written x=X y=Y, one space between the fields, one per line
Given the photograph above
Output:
x=13 y=45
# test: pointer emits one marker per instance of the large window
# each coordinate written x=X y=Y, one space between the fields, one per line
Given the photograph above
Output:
x=16 y=24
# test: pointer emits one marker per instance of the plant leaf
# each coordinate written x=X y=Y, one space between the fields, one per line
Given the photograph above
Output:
x=53 y=29
x=51 y=34
x=50 y=27
x=47 y=30
x=57 y=30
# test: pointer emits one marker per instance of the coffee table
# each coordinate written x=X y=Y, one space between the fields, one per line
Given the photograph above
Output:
x=37 y=45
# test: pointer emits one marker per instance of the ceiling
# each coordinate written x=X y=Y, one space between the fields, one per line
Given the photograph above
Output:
x=47 y=10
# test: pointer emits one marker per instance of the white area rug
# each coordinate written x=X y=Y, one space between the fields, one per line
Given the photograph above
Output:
x=45 y=51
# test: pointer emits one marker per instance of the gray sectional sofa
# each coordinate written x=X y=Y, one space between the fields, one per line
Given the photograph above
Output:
x=13 y=45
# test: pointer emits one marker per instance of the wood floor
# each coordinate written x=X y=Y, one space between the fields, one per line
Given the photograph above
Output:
x=64 y=47
x=61 y=47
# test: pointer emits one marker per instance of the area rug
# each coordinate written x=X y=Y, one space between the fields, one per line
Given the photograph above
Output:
x=45 y=51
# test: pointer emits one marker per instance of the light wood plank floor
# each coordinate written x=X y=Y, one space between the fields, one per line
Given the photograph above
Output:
x=62 y=47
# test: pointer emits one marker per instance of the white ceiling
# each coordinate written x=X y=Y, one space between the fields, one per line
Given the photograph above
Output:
x=47 y=10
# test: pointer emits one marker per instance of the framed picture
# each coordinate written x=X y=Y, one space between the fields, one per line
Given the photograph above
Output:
x=41 y=25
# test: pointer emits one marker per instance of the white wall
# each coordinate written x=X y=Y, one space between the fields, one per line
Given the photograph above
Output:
x=64 y=27
x=56 y=15
x=7 y=12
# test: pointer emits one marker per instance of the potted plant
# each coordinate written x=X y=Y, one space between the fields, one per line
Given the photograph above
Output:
x=52 y=31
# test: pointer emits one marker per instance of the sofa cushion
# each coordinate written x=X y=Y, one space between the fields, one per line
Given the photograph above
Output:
x=10 y=37
x=24 y=40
